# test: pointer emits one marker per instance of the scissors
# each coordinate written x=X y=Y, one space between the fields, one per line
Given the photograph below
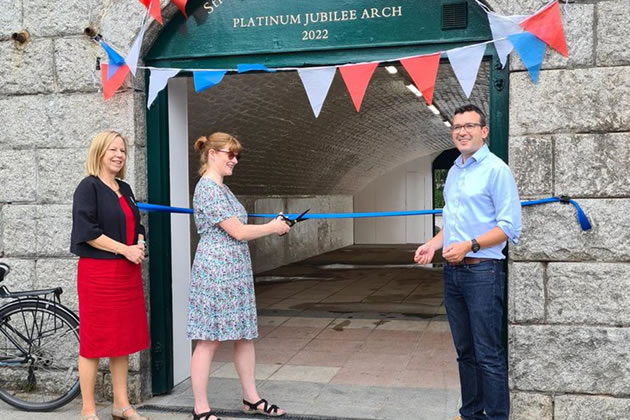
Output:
x=293 y=221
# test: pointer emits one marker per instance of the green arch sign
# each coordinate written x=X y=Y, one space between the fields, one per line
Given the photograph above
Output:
x=266 y=31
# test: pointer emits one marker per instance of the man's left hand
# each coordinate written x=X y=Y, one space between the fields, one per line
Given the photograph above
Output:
x=456 y=252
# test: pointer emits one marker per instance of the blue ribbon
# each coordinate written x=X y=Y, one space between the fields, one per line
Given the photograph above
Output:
x=163 y=209
x=581 y=217
x=350 y=215
x=579 y=214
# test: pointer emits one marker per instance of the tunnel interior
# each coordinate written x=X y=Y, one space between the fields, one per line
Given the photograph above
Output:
x=289 y=152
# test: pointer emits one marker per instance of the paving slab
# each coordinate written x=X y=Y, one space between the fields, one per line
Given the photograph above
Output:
x=311 y=400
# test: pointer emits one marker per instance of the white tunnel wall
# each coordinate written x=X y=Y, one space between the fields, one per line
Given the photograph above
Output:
x=306 y=239
x=407 y=187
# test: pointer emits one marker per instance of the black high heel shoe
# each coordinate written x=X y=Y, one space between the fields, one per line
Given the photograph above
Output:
x=203 y=416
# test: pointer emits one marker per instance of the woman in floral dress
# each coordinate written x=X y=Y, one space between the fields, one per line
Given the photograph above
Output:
x=222 y=305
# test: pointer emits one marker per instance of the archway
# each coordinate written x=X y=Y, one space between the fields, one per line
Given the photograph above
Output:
x=222 y=34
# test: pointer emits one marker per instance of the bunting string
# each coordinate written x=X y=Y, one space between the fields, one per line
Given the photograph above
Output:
x=527 y=35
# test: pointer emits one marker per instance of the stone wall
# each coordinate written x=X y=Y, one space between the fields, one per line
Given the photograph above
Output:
x=569 y=328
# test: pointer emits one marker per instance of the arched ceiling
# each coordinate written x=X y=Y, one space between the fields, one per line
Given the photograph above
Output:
x=287 y=151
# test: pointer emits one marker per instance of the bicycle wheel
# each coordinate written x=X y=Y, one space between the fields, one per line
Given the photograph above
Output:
x=39 y=350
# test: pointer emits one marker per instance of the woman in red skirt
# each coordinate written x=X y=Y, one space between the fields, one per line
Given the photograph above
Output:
x=109 y=239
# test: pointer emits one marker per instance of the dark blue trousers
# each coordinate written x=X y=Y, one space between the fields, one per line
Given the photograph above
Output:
x=474 y=300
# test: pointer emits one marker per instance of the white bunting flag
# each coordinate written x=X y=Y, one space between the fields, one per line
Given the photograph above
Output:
x=465 y=62
x=157 y=82
x=501 y=27
x=134 y=53
x=317 y=82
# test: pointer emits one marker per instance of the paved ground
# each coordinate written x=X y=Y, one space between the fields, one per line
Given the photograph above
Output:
x=358 y=333
x=346 y=368
x=358 y=279
x=71 y=412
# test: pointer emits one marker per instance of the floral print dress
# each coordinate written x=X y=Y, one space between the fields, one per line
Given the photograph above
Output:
x=221 y=304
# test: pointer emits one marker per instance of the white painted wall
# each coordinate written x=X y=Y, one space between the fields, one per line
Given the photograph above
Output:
x=180 y=224
x=407 y=187
x=307 y=238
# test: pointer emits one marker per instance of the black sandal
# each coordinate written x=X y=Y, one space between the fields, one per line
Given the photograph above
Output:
x=266 y=410
x=203 y=416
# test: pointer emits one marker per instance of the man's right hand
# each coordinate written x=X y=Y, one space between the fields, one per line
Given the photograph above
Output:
x=424 y=254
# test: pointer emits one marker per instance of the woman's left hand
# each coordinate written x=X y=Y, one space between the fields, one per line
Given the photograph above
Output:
x=134 y=253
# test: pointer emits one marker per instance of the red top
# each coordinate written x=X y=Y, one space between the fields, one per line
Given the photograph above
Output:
x=130 y=221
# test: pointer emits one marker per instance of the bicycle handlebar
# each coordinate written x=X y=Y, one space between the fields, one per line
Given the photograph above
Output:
x=4 y=270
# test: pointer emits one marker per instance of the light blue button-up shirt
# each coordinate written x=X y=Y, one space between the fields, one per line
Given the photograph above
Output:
x=479 y=195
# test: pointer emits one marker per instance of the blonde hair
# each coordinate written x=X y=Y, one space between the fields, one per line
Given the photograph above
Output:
x=97 y=150
x=215 y=141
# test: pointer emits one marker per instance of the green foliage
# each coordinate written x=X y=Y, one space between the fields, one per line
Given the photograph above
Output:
x=439 y=179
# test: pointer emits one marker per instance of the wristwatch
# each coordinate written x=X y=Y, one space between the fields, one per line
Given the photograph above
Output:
x=474 y=245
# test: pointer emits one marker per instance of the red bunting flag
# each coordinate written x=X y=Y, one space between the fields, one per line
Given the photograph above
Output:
x=423 y=71
x=547 y=26
x=154 y=9
x=181 y=5
x=356 y=78
x=111 y=86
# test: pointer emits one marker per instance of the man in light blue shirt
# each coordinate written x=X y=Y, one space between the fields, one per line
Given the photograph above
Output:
x=481 y=213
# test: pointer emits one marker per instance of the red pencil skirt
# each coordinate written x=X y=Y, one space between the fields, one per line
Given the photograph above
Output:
x=112 y=313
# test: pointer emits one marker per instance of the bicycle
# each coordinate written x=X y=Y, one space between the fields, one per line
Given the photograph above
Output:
x=39 y=349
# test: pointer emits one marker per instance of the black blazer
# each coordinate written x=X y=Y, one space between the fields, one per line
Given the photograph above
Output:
x=95 y=212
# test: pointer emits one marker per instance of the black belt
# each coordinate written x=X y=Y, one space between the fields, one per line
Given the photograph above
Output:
x=471 y=261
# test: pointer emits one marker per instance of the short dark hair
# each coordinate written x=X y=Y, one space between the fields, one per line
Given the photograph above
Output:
x=472 y=108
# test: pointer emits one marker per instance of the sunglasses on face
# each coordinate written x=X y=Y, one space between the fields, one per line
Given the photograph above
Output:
x=231 y=155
